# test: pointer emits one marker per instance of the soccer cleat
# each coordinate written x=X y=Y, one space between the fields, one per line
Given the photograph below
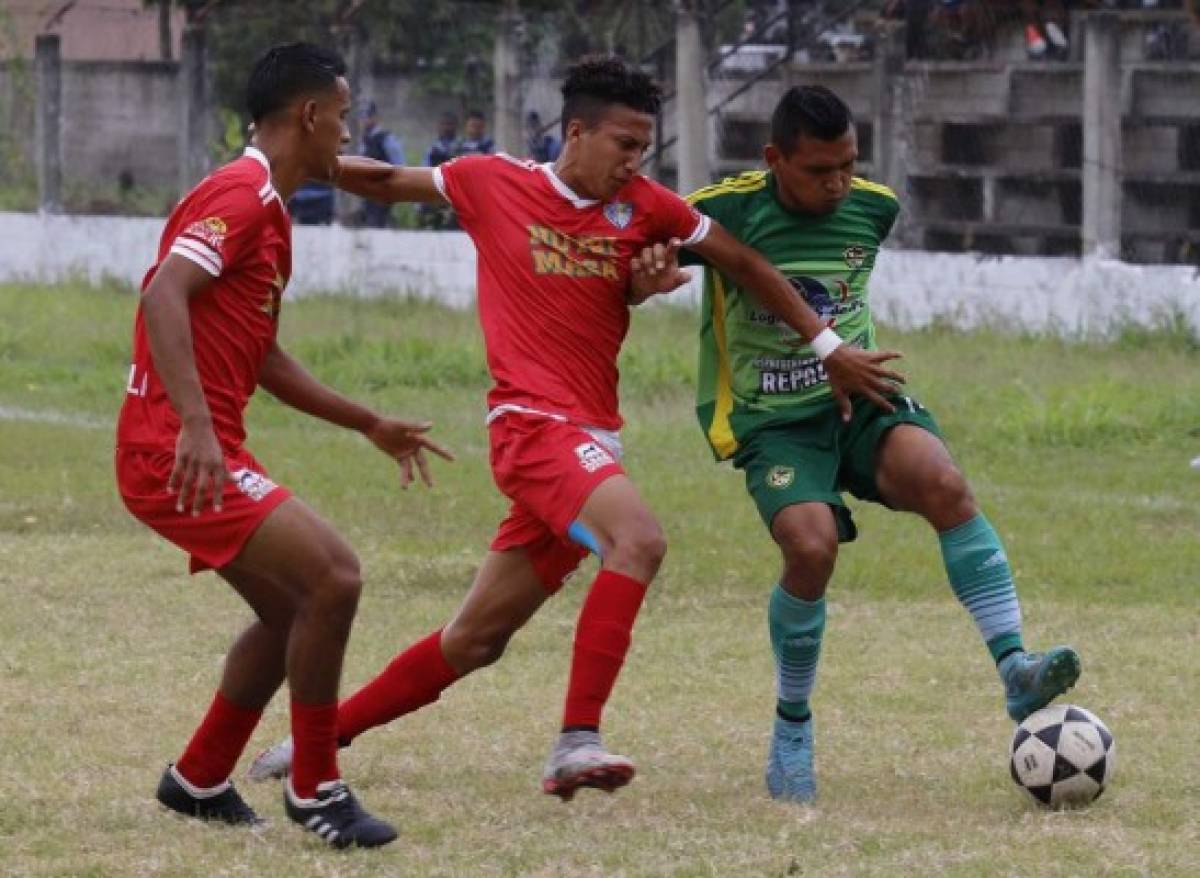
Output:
x=337 y=817
x=273 y=763
x=222 y=804
x=790 y=763
x=1034 y=679
x=580 y=760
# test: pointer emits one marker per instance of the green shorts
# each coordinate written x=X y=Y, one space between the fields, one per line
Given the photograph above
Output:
x=814 y=459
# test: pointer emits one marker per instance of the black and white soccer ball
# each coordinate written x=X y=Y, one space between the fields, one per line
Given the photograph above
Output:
x=1062 y=756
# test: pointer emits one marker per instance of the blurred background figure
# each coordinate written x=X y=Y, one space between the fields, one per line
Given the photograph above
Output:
x=382 y=145
x=445 y=145
x=541 y=145
x=475 y=140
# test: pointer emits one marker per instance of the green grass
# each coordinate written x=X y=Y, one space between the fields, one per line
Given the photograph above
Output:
x=1078 y=453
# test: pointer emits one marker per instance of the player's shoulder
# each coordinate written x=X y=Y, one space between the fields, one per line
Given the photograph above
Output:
x=243 y=185
x=738 y=187
x=496 y=162
x=871 y=192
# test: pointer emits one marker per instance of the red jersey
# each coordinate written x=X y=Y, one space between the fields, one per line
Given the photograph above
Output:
x=553 y=276
x=235 y=227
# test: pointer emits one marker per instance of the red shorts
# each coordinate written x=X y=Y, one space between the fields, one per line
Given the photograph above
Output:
x=548 y=468
x=212 y=538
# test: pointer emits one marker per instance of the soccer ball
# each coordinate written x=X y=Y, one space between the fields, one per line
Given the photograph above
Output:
x=1062 y=756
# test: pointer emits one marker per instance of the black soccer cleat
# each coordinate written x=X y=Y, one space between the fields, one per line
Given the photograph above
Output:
x=223 y=805
x=337 y=817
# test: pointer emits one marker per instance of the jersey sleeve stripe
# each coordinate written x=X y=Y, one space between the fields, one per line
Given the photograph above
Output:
x=700 y=232
x=201 y=247
x=204 y=262
x=877 y=188
x=439 y=182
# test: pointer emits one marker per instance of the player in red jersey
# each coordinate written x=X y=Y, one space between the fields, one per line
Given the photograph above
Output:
x=555 y=246
x=204 y=340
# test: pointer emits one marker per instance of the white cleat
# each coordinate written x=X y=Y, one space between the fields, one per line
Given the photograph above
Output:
x=274 y=763
x=580 y=760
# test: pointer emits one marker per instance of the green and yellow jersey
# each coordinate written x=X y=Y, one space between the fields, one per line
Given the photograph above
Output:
x=755 y=370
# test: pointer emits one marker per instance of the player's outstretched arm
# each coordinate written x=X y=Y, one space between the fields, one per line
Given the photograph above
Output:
x=851 y=371
x=405 y=441
x=199 y=463
x=379 y=181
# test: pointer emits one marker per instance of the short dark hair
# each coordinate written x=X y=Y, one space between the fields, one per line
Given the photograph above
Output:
x=477 y=114
x=597 y=82
x=808 y=110
x=285 y=72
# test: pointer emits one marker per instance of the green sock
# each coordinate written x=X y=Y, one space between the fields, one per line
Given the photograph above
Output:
x=982 y=581
x=796 y=627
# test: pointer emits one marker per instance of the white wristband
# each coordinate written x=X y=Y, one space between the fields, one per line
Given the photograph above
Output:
x=826 y=342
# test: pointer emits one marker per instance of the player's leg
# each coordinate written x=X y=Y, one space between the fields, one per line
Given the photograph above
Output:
x=618 y=523
x=507 y=590
x=198 y=783
x=792 y=476
x=915 y=473
x=320 y=573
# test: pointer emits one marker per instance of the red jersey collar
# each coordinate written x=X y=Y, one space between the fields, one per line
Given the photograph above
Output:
x=564 y=190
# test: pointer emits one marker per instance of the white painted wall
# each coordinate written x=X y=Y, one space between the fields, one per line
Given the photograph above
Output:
x=1068 y=297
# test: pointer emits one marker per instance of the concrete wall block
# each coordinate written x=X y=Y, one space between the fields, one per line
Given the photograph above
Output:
x=1171 y=93
x=1150 y=149
x=1047 y=92
x=1028 y=204
x=1149 y=211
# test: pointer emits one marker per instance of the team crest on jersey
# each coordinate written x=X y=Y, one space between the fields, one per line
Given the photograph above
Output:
x=855 y=255
x=592 y=456
x=780 y=477
x=254 y=485
x=211 y=230
x=619 y=213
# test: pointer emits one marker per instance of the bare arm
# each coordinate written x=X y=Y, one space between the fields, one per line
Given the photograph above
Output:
x=199 y=462
x=284 y=378
x=384 y=183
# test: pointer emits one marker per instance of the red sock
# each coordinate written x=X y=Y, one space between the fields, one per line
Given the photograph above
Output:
x=218 y=742
x=413 y=679
x=602 y=638
x=314 y=732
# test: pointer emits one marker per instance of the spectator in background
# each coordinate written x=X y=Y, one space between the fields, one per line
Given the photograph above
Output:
x=541 y=145
x=475 y=140
x=440 y=217
x=1045 y=34
x=445 y=147
x=384 y=146
x=312 y=204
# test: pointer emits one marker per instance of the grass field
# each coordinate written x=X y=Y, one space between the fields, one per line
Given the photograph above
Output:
x=1079 y=454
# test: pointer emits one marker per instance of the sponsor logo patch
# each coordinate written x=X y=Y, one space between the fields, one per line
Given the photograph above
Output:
x=211 y=231
x=780 y=477
x=855 y=255
x=592 y=456
x=254 y=485
x=619 y=213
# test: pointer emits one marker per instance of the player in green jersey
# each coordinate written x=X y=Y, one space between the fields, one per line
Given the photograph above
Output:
x=764 y=401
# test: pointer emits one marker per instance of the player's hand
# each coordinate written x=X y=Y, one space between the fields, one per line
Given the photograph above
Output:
x=199 y=469
x=407 y=442
x=855 y=372
x=656 y=270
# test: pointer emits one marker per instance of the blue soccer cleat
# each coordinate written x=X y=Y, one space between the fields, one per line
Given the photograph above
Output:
x=790 y=762
x=1034 y=679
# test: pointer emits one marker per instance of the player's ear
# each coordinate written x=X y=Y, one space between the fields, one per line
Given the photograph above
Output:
x=771 y=154
x=574 y=129
x=308 y=115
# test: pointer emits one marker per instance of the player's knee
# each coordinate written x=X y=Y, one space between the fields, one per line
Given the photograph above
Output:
x=470 y=650
x=338 y=584
x=640 y=547
x=948 y=492
x=805 y=552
